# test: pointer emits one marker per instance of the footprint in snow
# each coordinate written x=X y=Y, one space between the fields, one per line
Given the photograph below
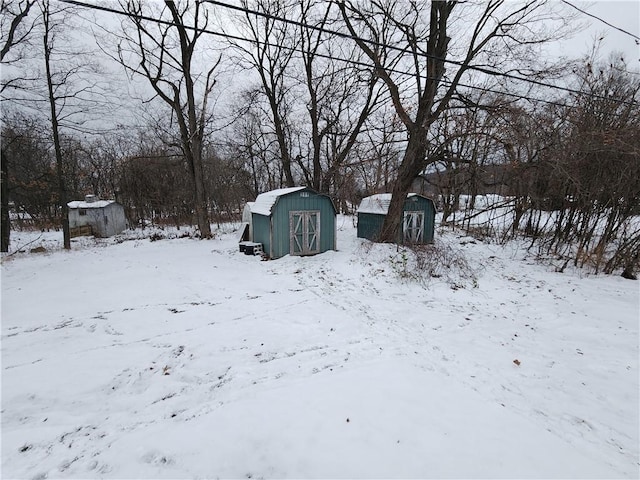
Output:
x=111 y=331
x=99 y=467
x=155 y=457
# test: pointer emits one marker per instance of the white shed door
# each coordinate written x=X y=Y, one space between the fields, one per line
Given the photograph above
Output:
x=304 y=232
x=413 y=227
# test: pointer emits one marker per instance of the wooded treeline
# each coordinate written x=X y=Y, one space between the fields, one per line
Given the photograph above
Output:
x=351 y=99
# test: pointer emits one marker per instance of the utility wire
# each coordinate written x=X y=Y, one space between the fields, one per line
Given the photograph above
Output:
x=351 y=61
x=392 y=47
x=603 y=21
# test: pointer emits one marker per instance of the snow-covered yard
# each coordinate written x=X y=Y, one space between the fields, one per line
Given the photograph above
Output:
x=182 y=358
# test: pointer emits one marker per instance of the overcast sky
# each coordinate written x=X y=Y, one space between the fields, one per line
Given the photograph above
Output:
x=624 y=14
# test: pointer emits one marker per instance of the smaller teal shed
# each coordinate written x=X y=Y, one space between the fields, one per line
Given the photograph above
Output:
x=293 y=221
x=418 y=223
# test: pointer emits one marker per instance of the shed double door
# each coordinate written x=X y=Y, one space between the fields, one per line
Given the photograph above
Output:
x=413 y=227
x=304 y=232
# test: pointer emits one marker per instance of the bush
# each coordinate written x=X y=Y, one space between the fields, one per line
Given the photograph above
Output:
x=440 y=260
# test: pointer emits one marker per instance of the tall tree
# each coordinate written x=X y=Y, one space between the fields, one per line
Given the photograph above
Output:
x=341 y=96
x=33 y=184
x=273 y=44
x=393 y=34
x=75 y=91
x=53 y=97
x=165 y=53
x=5 y=221
x=14 y=31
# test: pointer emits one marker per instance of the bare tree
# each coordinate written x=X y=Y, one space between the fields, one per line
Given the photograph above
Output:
x=394 y=35
x=74 y=93
x=341 y=96
x=273 y=44
x=378 y=152
x=250 y=141
x=13 y=14
x=165 y=54
x=16 y=31
x=32 y=186
x=316 y=90
x=53 y=97
x=599 y=166
x=5 y=221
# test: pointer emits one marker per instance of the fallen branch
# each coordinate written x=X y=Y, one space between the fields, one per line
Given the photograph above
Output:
x=19 y=249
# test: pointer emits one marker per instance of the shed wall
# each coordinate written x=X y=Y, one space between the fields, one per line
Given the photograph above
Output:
x=91 y=217
x=370 y=226
x=261 y=227
x=77 y=220
x=114 y=220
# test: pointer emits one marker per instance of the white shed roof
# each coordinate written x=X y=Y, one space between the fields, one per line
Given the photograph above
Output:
x=378 y=204
x=94 y=204
x=246 y=212
x=265 y=201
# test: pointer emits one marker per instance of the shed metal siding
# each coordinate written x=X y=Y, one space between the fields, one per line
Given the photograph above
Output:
x=114 y=219
x=262 y=232
x=97 y=221
x=77 y=220
x=370 y=225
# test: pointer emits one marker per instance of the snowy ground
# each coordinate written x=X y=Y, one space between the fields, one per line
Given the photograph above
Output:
x=181 y=358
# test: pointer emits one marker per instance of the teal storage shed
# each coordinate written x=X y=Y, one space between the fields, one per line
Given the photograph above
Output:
x=293 y=221
x=418 y=223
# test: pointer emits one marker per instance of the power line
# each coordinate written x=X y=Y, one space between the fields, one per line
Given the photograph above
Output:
x=392 y=47
x=351 y=61
x=600 y=19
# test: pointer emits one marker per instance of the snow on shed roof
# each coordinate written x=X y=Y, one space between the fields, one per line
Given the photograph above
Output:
x=94 y=204
x=378 y=204
x=265 y=201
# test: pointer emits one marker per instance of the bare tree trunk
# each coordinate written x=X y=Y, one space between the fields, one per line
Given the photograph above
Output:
x=192 y=135
x=167 y=65
x=281 y=137
x=15 y=35
x=5 y=225
x=55 y=130
x=410 y=168
x=200 y=203
x=19 y=13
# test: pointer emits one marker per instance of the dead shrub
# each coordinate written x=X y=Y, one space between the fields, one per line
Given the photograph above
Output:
x=439 y=260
